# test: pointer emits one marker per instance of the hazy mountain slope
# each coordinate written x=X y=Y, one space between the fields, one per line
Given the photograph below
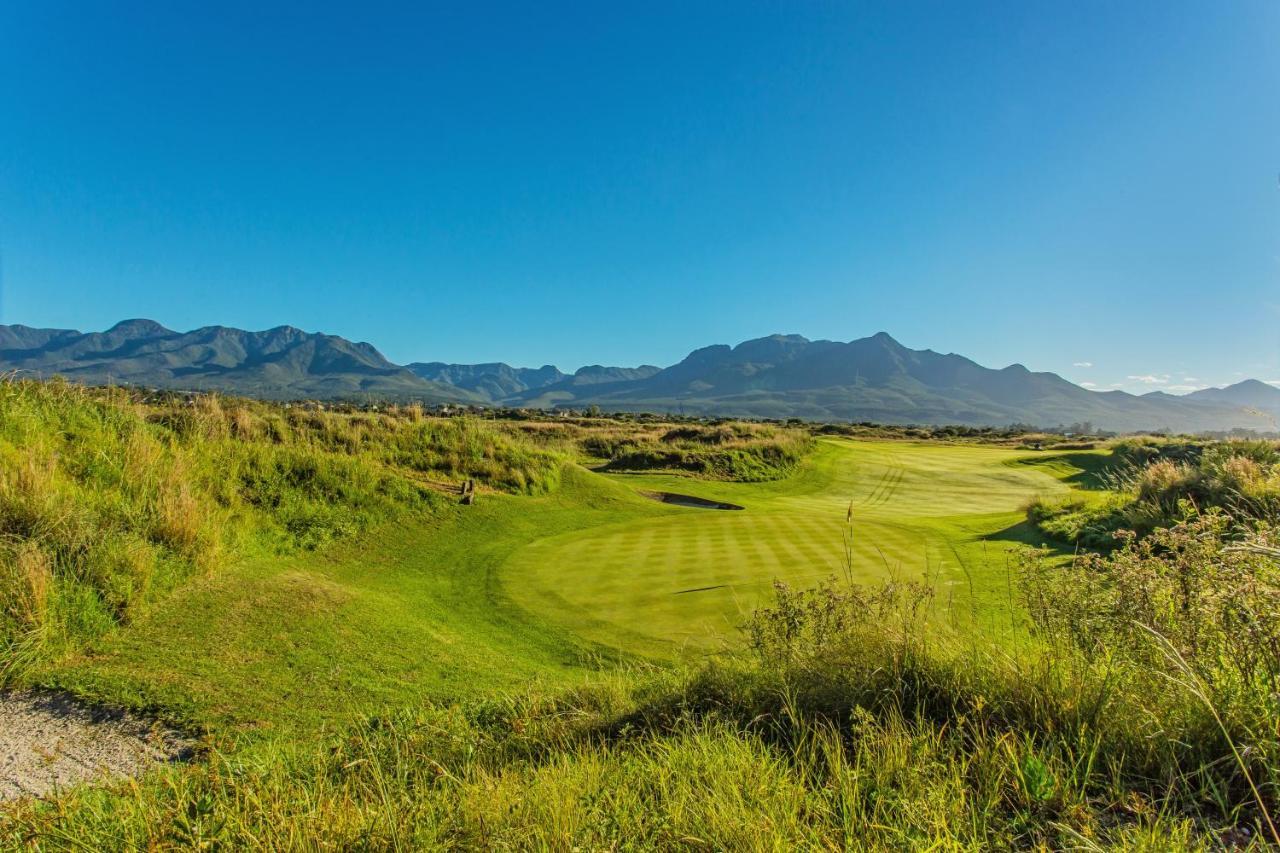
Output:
x=1250 y=393
x=278 y=363
x=595 y=374
x=593 y=380
x=525 y=386
x=878 y=379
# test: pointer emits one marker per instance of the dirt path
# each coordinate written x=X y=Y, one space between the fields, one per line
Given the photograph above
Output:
x=48 y=741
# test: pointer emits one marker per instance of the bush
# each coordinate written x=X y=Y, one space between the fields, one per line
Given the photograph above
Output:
x=734 y=451
x=1159 y=484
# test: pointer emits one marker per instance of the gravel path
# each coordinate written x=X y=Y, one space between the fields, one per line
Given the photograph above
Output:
x=48 y=741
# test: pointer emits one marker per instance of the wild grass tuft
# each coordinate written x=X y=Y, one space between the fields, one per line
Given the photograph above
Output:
x=1154 y=485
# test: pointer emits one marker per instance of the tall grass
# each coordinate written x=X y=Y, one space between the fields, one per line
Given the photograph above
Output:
x=108 y=502
x=1154 y=485
x=731 y=451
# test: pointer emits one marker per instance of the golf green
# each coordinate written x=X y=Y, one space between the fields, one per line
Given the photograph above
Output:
x=686 y=578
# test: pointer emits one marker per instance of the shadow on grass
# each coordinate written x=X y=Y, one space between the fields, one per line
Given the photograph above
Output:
x=1026 y=533
x=1092 y=471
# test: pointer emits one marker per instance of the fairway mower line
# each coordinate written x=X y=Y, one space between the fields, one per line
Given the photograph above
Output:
x=701 y=589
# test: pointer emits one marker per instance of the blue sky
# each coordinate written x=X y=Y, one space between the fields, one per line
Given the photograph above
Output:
x=1061 y=185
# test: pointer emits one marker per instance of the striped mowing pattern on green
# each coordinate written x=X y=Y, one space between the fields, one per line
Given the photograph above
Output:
x=689 y=577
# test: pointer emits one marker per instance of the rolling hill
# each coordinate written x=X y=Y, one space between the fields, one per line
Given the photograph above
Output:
x=540 y=386
x=492 y=381
x=780 y=376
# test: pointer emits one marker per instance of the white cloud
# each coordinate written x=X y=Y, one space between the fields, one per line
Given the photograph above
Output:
x=1088 y=384
x=1185 y=387
x=1275 y=382
x=1149 y=379
x=1189 y=379
x=1083 y=364
x=1117 y=384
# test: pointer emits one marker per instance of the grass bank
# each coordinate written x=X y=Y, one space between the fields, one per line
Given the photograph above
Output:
x=109 y=503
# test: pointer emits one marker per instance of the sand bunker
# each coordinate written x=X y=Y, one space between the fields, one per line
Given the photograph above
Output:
x=50 y=741
x=688 y=500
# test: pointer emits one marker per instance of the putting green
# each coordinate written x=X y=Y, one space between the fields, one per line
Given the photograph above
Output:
x=686 y=578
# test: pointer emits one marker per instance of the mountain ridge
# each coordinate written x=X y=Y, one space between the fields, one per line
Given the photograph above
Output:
x=279 y=363
x=875 y=378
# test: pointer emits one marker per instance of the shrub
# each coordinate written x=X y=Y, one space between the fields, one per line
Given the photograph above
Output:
x=733 y=451
x=1161 y=484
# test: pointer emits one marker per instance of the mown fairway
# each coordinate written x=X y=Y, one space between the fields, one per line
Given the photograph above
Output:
x=686 y=578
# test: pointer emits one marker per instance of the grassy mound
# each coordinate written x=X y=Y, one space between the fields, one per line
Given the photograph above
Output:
x=108 y=503
x=748 y=453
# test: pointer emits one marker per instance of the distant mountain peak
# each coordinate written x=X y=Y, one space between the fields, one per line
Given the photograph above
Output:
x=138 y=328
x=1251 y=393
x=1252 y=385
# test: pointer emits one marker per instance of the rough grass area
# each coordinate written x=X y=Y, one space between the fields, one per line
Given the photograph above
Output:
x=108 y=504
x=287 y=646
x=730 y=450
x=1151 y=485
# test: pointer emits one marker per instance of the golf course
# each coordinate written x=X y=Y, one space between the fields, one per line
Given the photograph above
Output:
x=552 y=587
x=267 y=626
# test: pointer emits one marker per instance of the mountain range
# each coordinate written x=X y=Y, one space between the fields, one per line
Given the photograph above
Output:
x=280 y=363
x=869 y=379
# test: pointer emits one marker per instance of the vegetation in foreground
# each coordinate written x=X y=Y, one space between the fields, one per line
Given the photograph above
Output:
x=849 y=724
x=108 y=504
x=1132 y=703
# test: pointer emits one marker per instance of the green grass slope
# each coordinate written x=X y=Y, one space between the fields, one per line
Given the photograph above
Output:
x=415 y=608
x=550 y=588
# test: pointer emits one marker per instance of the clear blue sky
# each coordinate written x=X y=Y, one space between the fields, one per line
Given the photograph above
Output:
x=1049 y=183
